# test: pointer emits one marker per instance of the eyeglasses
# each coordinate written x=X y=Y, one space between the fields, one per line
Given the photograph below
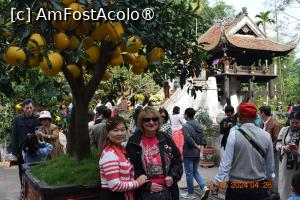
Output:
x=154 y=119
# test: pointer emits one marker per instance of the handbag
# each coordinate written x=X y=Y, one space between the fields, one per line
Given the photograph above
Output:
x=163 y=195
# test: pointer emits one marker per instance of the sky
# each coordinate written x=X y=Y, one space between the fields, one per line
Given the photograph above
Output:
x=290 y=17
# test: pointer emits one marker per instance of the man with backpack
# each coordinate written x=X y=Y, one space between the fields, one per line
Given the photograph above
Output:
x=194 y=142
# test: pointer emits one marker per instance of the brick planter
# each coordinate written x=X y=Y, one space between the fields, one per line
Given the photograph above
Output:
x=209 y=154
x=35 y=189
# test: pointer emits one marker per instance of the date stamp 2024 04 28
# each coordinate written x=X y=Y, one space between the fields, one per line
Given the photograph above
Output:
x=241 y=185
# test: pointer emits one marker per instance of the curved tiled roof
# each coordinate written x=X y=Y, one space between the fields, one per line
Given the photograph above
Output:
x=216 y=36
x=249 y=42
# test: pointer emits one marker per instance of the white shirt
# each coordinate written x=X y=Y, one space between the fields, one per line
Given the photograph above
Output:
x=265 y=123
x=176 y=122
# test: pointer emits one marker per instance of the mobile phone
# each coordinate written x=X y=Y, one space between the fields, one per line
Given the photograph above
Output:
x=293 y=146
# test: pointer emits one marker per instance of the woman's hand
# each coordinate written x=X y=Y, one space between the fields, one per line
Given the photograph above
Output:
x=142 y=179
x=156 y=187
x=169 y=181
x=40 y=134
x=289 y=148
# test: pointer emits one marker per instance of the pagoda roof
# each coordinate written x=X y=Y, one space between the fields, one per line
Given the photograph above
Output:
x=242 y=33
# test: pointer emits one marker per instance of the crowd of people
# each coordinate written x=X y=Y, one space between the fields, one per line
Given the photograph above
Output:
x=259 y=159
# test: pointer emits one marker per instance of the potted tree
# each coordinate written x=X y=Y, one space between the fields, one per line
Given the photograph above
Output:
x=210 y=152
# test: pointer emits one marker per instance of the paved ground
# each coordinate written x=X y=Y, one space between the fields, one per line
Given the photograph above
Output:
x=9 y=183
x=208 y=175
x=10 y=187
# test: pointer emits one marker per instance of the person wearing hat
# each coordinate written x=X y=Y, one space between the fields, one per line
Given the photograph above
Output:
x=49 y=132
x=248 y=160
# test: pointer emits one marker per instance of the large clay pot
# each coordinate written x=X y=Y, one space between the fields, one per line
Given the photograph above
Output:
x=209 y=154
x=35 y=189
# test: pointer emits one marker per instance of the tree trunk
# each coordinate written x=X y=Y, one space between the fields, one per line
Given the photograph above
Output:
x=78 y=136
x=79 y=141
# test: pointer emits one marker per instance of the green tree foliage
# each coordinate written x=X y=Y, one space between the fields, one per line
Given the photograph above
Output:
x=172 y=30
x=291 y=81
x=124 y=83
x=264 y=20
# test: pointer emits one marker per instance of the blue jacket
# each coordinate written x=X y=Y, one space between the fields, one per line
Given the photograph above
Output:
x=41 y=154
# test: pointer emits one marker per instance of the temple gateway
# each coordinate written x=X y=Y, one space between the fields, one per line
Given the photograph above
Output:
x=242 y=53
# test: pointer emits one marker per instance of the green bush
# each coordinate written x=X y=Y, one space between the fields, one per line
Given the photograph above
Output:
x=66 y=170
x=203 y=117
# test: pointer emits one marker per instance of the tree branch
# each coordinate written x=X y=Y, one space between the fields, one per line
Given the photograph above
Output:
x=106 y=55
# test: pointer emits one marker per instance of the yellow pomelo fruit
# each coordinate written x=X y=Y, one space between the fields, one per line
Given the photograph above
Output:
x=115 y=31
x=129 y=58
x=56 y=61
x=94 y=54
x=156 y=55
x=136 y=70
x=69 y=24
x=100 y=31
x=33 y=62
x=83 y=28
x=133 y=45
x=68 y=2
x=88 y=43
x=140 y=63
x=57 y=118
x=61 y=41
x=14 y=55
x=74 y=42
x=106 y=76
x=117 y=58
x=76 y=7
x=74 y=70
x=18 y=106
x=35 y=42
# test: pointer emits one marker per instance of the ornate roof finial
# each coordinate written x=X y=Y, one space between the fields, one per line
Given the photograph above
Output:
x=245 y=11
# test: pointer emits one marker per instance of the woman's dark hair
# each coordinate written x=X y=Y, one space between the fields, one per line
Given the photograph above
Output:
x=163 y=110
x=111 y=124
x=176 y=110
x=31 y=144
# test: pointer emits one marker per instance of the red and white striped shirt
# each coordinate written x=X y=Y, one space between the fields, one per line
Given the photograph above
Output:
x=116 y=172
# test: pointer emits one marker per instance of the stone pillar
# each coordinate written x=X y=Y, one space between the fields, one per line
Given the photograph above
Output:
x=227 y=89
x=250 y=88
x=272 y=88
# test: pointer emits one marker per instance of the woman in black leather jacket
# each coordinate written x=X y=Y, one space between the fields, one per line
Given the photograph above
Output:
x=155 y=154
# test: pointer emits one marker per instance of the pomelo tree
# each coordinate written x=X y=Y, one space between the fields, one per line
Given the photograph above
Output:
x=85 y=51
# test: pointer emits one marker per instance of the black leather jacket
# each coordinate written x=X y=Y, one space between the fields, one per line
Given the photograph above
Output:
x=21 y=126
x=168 y=151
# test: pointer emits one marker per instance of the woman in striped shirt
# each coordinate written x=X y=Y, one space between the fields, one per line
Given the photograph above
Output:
x=116 y=172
